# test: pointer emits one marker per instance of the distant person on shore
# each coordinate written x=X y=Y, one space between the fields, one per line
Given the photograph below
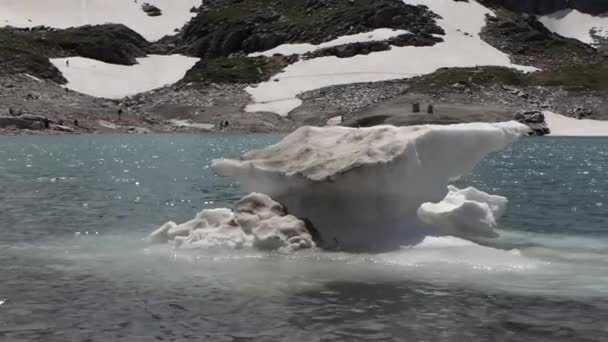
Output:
x=67 y=63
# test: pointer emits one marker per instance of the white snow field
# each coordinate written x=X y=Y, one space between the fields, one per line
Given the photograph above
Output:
x=69 y=13
x=300 y=49
x=462 y=22
x=95 y=78
x=577 y=25
x=362 y=188
x=561 y=125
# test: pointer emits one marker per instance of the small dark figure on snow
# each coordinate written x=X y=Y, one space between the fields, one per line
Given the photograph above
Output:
x=76 y=122
x=67 y=63
x=119 y=114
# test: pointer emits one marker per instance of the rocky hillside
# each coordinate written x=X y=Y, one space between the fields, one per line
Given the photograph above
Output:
x=223 y=27
x=223 y=34
x=28 y=50
x=529 y=42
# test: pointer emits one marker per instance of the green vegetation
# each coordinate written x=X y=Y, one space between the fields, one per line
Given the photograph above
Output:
x=470 y=76
x=239 y=69
x=21 y=53
x=583 y=77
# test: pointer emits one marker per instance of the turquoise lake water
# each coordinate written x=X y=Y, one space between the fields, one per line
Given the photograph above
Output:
x=74 y=211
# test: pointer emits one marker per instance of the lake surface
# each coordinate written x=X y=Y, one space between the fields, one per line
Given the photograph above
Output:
x=74 y=267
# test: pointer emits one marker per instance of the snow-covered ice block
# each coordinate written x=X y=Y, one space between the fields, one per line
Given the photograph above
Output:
x=361 y=187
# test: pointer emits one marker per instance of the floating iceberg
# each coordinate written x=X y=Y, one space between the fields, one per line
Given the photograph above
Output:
x=361 y=188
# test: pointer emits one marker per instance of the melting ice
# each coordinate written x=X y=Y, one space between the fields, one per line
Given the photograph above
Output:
x=357 y=189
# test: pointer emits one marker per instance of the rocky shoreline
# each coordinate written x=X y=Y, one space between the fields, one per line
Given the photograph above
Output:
x=26 y=102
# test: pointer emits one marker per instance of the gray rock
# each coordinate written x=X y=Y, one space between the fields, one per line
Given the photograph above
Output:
x=19 y=123
x=151 y=10
x=535 y=120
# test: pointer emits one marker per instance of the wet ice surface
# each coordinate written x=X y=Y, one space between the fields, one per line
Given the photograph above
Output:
x=549 y=282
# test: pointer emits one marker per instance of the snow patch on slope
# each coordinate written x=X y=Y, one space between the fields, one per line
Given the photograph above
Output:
x=362 y=188
x=561 y=125
x=95 y=78
x=462 y=47
x=577 y=25
x=300 y=49
x=69 y=13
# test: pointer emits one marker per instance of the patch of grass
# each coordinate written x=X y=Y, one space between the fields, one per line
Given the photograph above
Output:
x=239 y=69
x=25 y=41
x=469 y=76
x=20 y=53
x=583 y=77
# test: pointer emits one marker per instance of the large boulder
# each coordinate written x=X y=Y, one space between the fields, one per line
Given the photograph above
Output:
x=20 y=123
x=535 y=120
x=151 y=10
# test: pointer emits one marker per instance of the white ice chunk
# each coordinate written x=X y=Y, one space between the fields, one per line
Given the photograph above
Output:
x=361 y=187
x=467 y=212
x=184 y=123
x=257 y=221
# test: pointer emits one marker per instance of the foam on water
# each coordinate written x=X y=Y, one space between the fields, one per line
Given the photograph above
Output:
x=449 y=261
